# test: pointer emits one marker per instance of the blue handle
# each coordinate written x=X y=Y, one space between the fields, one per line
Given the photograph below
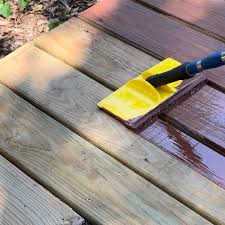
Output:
x=212 y=61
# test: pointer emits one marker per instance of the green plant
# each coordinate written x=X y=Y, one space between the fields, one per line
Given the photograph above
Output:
x=23 y=4
x=5 y=9
x=52 y=23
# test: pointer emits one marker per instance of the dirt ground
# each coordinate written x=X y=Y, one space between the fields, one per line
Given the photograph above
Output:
x=22 y=27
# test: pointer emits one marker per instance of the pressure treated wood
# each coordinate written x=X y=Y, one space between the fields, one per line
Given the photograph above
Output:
x=206 y=14
x=93 y=51
x=204 y=115
x=98 y=186
x=71 y=97
x=154 y=32
x=23 y=201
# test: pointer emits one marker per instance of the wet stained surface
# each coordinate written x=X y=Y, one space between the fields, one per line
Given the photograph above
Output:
x=199 y=157
x=204 y=115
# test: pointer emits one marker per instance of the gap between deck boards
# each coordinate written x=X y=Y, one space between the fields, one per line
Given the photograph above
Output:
x=24 y=201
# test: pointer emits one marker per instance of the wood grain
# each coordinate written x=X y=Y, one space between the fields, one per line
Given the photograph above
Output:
x=71 y=97
x=93 y=51
x=206 y=14
x=23 y=201
x=98 y=186
x=155 y=33
x=203 y=114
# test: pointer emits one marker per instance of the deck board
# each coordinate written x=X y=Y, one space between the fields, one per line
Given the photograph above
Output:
x=23 y=201
x=208 y=15
x=72 y=98
x=155 y=33
x=96 y=185
x=203 y=114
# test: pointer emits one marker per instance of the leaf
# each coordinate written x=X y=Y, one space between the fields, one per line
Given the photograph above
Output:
x=5 y=9
x=23 y=4
x=52 y=23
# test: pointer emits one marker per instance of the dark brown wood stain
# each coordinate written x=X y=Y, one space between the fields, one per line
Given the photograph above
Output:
x=156 y=33
x=188 y=150
x=204 y=115
x=206 y=14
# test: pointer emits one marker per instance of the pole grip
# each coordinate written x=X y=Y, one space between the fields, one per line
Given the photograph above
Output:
x=188 y=70
x=178 y=73
x=212 y=61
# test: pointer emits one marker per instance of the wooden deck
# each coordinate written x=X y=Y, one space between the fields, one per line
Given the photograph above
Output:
x=65 y=162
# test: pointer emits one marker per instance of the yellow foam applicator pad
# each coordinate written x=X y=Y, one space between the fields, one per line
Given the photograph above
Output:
x=137 y=97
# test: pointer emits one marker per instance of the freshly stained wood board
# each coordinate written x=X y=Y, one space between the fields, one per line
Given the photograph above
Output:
x=95 y=184
x=71 y=97
x=154 y=33
x=204 y=115
x=208 y=15
x=188 y=150
x=113 y=62
x=23 y=201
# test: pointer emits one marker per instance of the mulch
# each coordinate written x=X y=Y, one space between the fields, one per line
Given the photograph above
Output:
x=24 y=26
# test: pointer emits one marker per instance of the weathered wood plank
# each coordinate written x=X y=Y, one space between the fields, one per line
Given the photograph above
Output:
x=206 y=14
x=156 y=33
x=98 y=186
x=204 y=115
x=23 y=201
x=114 y=62
x=71 y=97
